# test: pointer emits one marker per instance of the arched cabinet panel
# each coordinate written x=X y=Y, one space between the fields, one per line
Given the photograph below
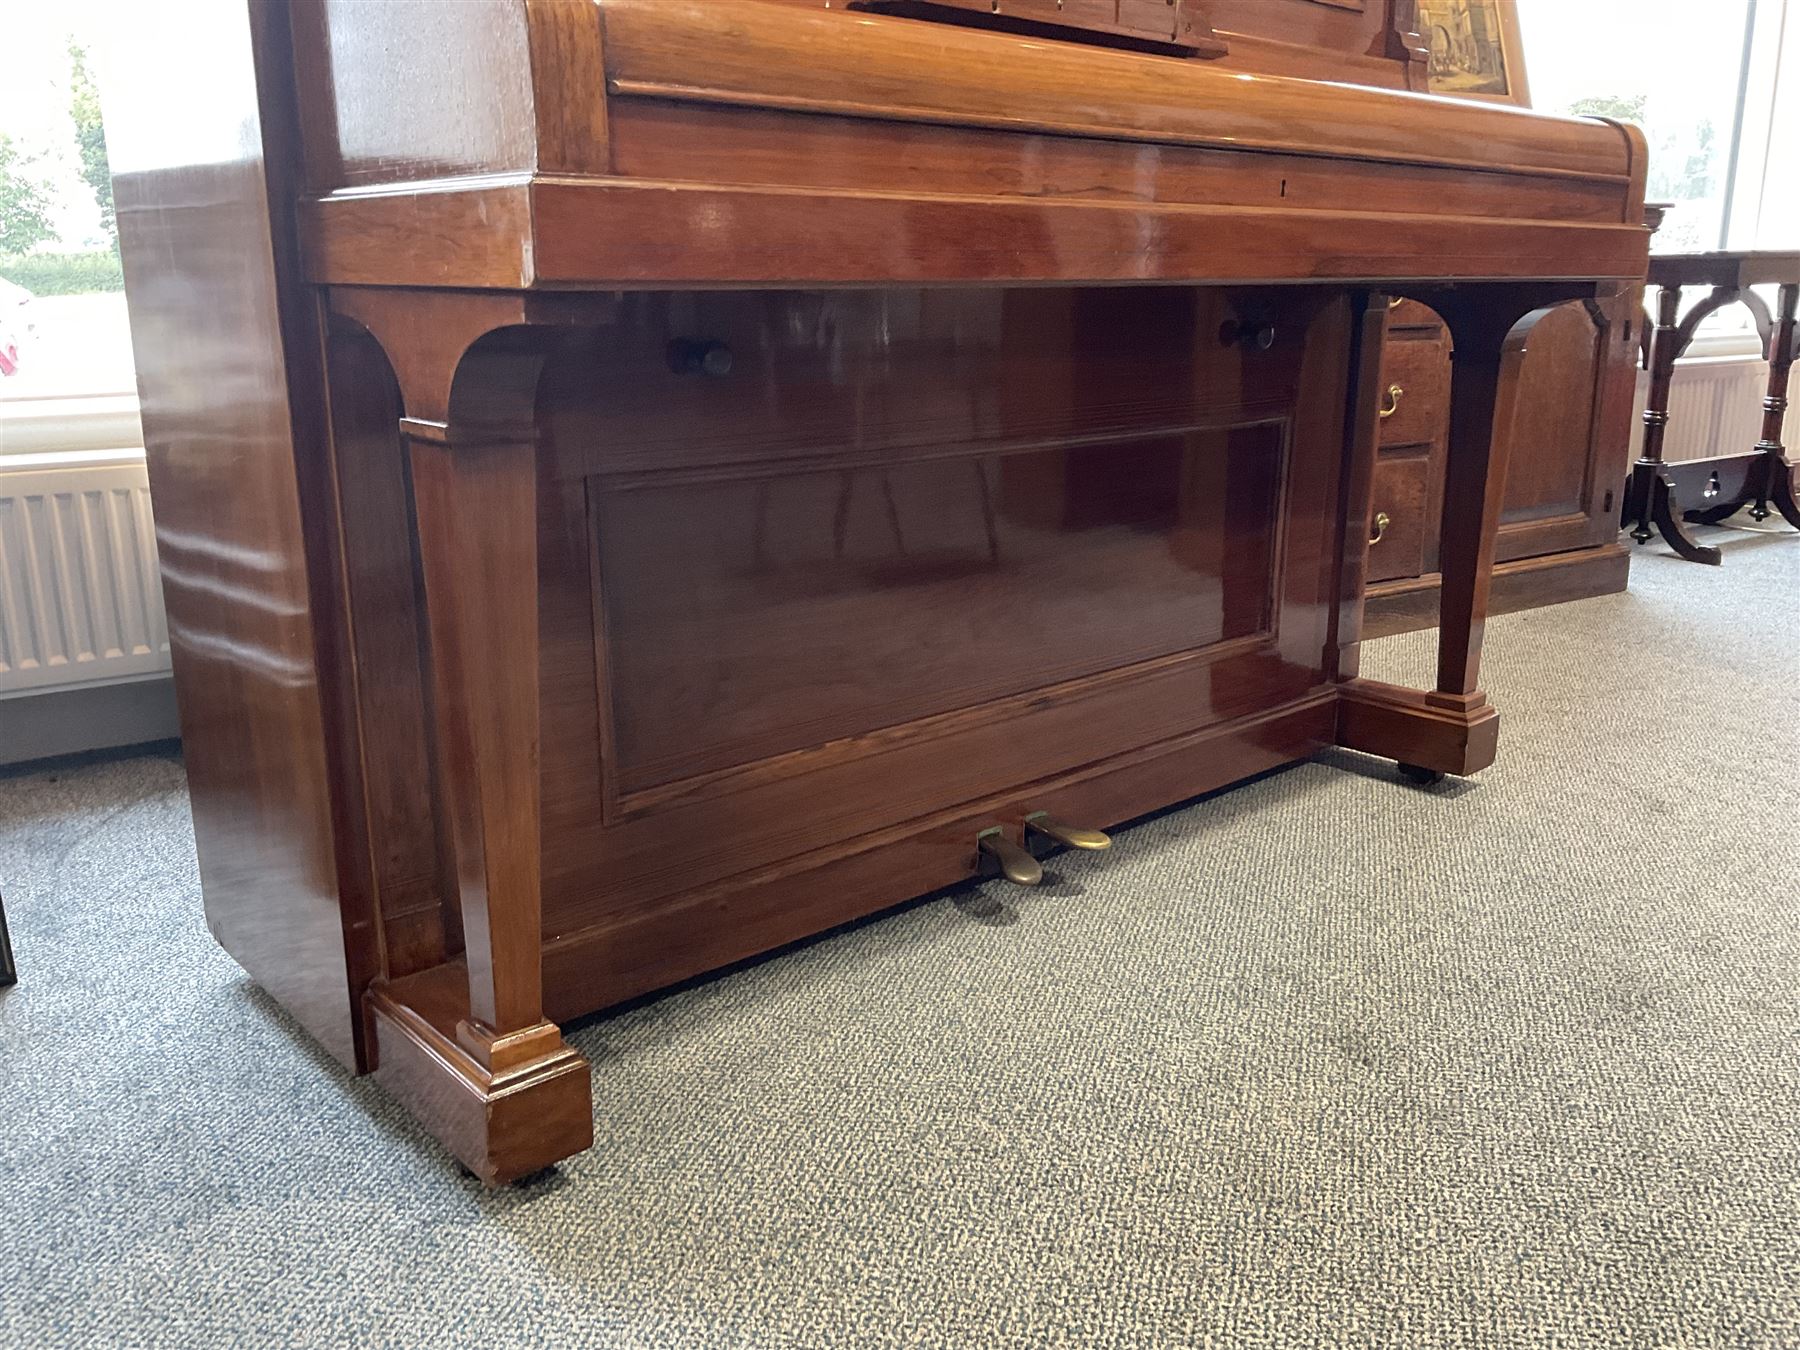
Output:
x=1569 y=449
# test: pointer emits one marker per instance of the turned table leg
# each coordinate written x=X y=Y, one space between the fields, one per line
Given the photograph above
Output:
x=9 y=973
x=1650 y=506
x=1776 y=482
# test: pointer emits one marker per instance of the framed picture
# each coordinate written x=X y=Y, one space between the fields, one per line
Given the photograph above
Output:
x=1475 y=51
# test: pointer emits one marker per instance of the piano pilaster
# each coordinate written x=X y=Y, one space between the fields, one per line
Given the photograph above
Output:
x=465 y=1043
x=1451 y=728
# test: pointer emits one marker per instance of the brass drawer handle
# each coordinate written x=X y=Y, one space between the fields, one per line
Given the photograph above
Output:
x=1394 y=395
x=1382 y=521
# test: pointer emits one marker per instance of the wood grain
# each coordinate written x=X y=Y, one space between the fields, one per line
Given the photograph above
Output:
x=226 y=338
x=682 y=234
x=763 y=55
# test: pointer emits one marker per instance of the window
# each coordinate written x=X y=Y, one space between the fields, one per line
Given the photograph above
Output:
x=1722 y=122
x=1649 y=62
x=1765 y=198
x=66 y=378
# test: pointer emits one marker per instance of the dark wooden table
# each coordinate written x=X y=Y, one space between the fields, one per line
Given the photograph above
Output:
x=9 y=973
x=1760 y=478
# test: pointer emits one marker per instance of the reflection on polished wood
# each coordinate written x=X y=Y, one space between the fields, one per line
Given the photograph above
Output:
x=712 y=482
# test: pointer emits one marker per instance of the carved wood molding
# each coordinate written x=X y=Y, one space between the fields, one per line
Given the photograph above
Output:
x=1402 y=41
x=1179 y=27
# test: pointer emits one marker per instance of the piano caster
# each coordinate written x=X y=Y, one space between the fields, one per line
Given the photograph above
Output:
x=1016 y=865
x=1069 y=836
x=1419 y=777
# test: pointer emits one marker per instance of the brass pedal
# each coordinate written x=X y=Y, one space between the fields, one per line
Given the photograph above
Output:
x=1016 y=865
x=1069 y=836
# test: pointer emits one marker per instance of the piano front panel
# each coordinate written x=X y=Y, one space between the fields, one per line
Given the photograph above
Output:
x=772 y=615
x=913 y=552
x=665 y=139
x=824 y=61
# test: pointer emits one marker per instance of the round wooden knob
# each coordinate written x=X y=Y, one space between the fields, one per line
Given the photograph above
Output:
x=1248 y=333
x=697 y=356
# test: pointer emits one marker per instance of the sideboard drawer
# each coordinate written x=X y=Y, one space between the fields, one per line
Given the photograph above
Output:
x=1398 y=520
x=1415 y=384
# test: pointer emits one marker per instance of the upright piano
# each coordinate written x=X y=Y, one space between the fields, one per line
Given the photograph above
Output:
x=641 y=482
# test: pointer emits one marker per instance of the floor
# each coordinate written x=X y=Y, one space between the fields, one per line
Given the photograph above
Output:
x=1324 y=1061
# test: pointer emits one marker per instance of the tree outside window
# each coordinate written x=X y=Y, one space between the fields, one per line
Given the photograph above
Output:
x=1645 y=61
x=64 y=333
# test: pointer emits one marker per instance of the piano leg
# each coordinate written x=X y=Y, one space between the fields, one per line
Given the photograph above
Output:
x=464 y=1043
x=1452 y=729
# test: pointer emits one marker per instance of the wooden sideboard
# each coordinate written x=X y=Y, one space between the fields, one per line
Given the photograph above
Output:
x=1559 y=533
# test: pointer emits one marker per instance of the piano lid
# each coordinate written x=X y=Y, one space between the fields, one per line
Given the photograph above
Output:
x=850 y=63
x=701 y=143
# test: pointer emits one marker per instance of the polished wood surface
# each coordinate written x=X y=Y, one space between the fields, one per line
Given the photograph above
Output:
x=226 y=341
x=1571 y=450
x=1523 y=583
x=814 y=623
x=1362 y=41
x=1408 y=497
x=751 y=484
x=1489 y=349
x=815 y=70
x=1373 y=42
x=1178 y=27
x=775 y=56
x=666 y=234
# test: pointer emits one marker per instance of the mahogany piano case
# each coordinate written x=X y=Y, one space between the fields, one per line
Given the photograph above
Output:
x=646 y=481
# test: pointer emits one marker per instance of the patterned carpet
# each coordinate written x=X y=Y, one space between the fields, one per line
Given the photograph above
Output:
x=1325 y=1061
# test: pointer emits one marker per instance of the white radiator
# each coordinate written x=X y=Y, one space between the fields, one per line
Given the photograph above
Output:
x=80 y=603
x=1715 y=408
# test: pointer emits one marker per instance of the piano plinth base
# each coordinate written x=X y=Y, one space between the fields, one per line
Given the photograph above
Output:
x=506 y=1125
x=658 y=943
x=532 y=1109
x=1435 y=732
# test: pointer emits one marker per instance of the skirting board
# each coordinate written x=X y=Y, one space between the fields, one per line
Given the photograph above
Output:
x=54 y=722
x=1527 y=583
